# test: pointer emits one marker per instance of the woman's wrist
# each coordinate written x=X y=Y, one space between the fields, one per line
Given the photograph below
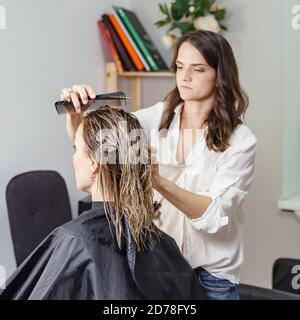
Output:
x=158 y=182
x=72 y=123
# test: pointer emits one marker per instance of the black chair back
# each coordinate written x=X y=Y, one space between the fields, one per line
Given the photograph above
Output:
x=286 y=275
x=37 y=203
x=248 y=292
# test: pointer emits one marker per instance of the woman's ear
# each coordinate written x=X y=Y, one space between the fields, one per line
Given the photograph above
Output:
x=95 y=166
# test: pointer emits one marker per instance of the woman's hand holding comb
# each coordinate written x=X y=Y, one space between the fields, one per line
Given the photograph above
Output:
x=78 y=96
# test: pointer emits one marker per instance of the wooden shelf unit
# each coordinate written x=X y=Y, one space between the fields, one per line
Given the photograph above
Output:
x=112 y=77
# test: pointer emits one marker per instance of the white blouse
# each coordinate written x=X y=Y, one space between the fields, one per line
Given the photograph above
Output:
x=215 y=240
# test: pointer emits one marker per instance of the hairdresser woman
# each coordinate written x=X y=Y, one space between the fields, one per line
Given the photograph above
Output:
x=205 y=158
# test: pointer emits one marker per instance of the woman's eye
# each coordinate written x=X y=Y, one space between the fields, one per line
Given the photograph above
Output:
x=179 y=68
x=199 y=70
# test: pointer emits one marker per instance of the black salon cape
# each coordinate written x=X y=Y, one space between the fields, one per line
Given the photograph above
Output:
x=81 y=261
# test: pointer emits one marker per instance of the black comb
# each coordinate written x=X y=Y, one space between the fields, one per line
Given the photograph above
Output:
x=113 y=99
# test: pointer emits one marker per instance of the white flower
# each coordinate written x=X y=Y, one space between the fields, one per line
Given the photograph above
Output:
x=208 y=23
x=169 y=41
x=192 y=9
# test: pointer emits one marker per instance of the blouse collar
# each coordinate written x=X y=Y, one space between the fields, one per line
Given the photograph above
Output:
x=178 y=110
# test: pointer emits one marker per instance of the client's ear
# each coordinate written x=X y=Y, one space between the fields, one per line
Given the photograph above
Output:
x=95 y=165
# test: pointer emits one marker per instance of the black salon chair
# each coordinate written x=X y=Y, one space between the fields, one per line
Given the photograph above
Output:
x=286 y=275
x=248 y=292
x=37 y=203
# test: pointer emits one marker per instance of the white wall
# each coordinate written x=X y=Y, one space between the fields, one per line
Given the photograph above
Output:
x=48 y=45
x=258 y=48
x=52 y=44
x=258 y=44
x=291 y=101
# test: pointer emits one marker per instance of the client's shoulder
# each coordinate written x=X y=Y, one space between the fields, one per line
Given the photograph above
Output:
x=82 y=224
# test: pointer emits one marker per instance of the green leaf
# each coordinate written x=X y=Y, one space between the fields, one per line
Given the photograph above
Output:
x=182 y=5
x=198 y=3
x=162 y=8
x=161 y=23
x=165 y=10
x=185 y=26
x=177 y=15
x=173 y=26
x=204 y=4
x=208 y=4
x=179 y=8
x=199 y=11
x=168 y=12
x=220 y=14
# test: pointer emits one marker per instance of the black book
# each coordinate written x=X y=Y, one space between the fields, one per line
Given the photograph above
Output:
x=142 y=39
x=125 y=58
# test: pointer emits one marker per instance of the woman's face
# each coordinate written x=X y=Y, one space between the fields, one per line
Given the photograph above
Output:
x=196 y=80
x=84 y=166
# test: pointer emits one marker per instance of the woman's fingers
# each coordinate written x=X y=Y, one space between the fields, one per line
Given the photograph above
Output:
x=154 y=167
x=154 y=160
x=76 y=102
x=65 y=95
x=153 y=149
x=91 y=93
x=84 y=92
x=153 y=152
x=78 y=95
x=81 y=93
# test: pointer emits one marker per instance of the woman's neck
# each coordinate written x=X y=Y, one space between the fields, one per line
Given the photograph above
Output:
x=196 y=110
x=97 y=195
x=194 y=113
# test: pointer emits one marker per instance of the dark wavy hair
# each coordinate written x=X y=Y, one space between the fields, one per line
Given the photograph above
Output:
x=231 y=101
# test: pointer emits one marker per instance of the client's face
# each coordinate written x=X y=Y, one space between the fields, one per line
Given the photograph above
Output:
x=84 y=166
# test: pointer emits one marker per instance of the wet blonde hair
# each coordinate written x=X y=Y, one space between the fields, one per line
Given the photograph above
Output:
x=124 y=171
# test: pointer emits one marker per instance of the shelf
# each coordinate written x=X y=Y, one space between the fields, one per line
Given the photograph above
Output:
x=160 y=74
x=112 y=76
x=291 y=204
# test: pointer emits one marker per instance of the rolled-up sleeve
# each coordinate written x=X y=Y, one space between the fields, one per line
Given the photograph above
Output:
x=231 y=182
